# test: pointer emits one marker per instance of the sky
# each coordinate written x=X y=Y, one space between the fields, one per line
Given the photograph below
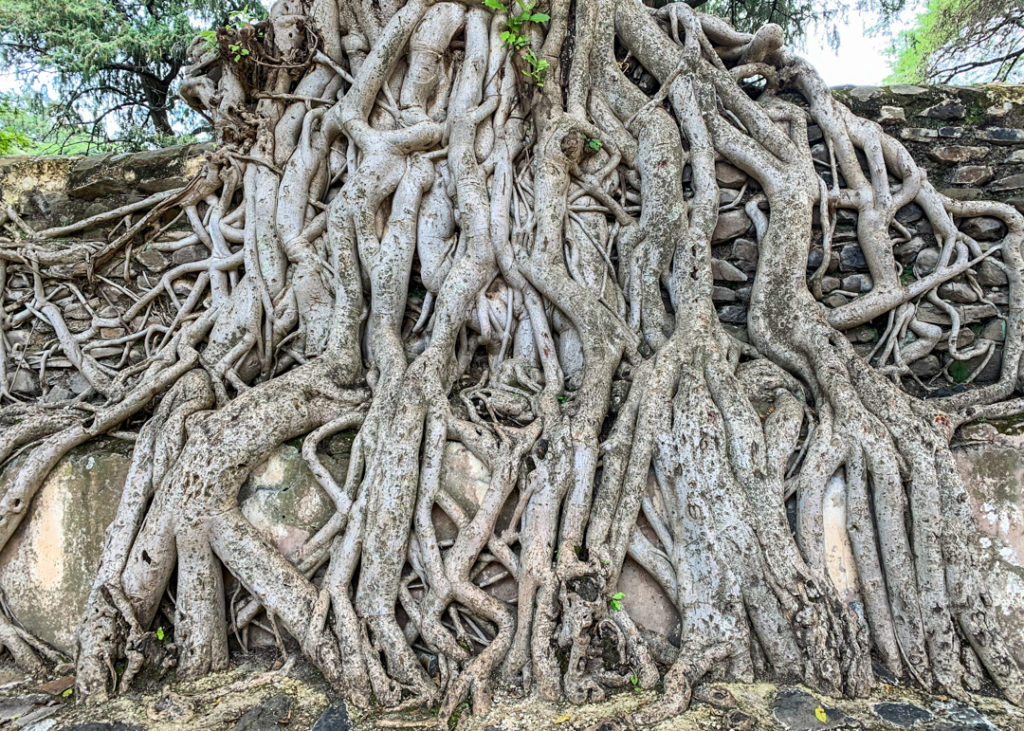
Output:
x=861 y=59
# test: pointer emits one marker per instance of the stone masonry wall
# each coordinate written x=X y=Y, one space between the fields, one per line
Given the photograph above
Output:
x=971 y=142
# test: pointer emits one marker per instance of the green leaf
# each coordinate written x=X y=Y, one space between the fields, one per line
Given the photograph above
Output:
x=595 y=144
x=618 y=595
x=160 y=633
x=495 y=5
x=540 y=18
x=67 y=693
x=820 y=714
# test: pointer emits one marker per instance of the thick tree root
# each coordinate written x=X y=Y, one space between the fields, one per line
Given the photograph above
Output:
x=406 y=235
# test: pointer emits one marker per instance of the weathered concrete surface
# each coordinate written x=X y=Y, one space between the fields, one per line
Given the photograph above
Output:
x=47 y=568
x=53 y=190
x=992 y=466
x=283 y=500
x=252 y=697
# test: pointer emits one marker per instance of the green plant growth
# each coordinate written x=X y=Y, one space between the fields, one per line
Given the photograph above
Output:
x=615 y=603
x=111 y=68
x=514 y=36
x=237 y=21
x=961 y=41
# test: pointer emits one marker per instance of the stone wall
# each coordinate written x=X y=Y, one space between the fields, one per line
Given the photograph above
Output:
x=971 y=141
x=970 y=138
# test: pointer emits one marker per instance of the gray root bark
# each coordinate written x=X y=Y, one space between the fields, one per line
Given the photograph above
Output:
x=563 y=331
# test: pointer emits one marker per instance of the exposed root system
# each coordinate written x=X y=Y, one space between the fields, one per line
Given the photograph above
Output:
x=405 y=234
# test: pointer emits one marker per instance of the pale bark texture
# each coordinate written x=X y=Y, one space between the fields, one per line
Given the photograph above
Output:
x=437 y=222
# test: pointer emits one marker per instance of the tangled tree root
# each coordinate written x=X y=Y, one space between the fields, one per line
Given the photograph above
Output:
x=407 y=234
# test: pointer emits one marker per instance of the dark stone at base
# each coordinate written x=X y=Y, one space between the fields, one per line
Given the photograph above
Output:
x=334 y=718
x=851 y=258
x=961 y=718
x=902 y=714
x=795 y=710
x=103 y=726
x=270 y=715
x=734 y=314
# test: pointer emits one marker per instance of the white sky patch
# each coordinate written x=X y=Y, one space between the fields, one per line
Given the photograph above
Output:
x=861 y=59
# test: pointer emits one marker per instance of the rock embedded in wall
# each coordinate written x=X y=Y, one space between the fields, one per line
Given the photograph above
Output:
x=47 y=568
x=992 y=466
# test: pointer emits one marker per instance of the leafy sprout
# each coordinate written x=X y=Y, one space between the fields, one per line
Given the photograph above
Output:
x=616 y=601
x=515 y=38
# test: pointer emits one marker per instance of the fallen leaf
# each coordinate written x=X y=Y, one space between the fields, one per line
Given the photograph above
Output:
x=819 y=713
x=58 y=686
x=563 y=719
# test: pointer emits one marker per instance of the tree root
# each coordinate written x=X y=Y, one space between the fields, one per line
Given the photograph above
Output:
x=403 y=234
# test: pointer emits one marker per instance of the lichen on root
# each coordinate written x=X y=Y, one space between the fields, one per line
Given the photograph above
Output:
x=413 y=230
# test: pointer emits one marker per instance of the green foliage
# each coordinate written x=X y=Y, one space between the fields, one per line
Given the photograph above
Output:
x=12 y=138
x=27 y=125
x=615 y=603
x=962 y=41
x=210 y=37
x=114 y=60
x=237 y=21
x=514 y=36
x=635 y=681
x=595 y=144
